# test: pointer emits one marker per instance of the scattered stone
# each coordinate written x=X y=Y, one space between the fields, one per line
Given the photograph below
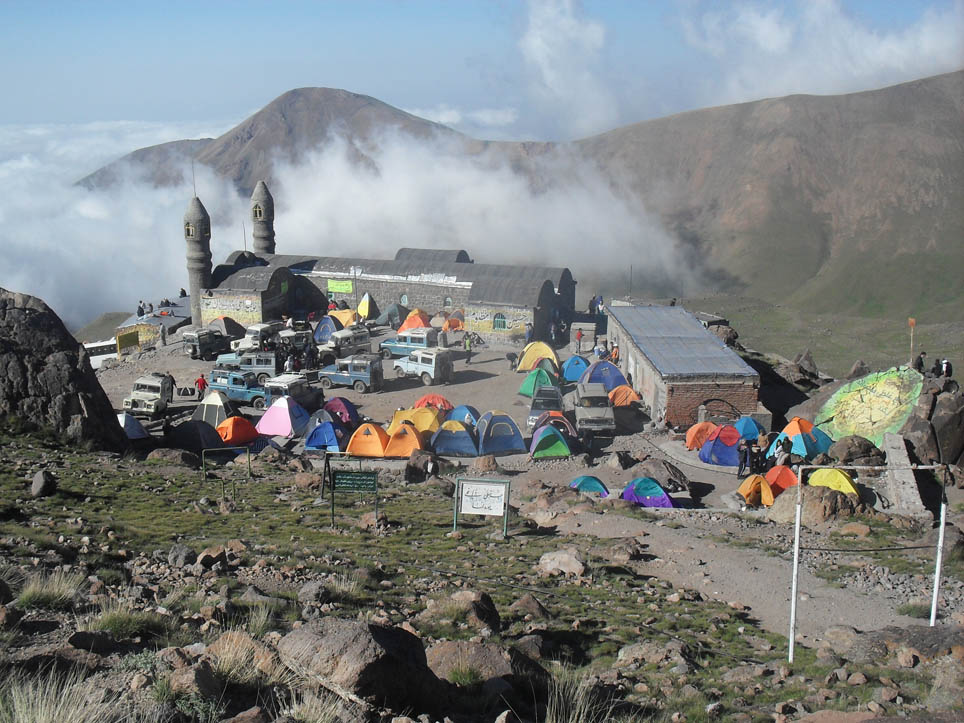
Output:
x=43 y=484
x=485 y=463
x=308 y=480
x=856 y=450
x=9 y=616
x=181 y=555
x=368 y=521
x=5 y=594
x=566 y=561
x=451 y=656
x=857 y=679
x=620 y=460
x=313 y=592
x=198 y=679
x=819 y=505
x=859 y=369
x=528 y=605
x=210 y=556
x=251 y=715
x=855 y=529
x=139 y=681
x=178 y=457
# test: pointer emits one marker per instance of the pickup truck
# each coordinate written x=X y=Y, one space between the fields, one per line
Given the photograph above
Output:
x=150 y=396
x=205 y=343
x=240 y=386
x=407 y=342
x=362 y=372
x=297 y=387
x=264 y=364
x=593 y=410
x=432 y=366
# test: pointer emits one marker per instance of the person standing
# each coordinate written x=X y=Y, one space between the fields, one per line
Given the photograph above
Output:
x=920 y=362
x=467 y=342
x=201 y=383
x=579 y=341
x=947 y=369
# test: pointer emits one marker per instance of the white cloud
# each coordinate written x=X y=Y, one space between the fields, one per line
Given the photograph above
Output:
x=817 y=47
x=562 y=51
x=468 y=120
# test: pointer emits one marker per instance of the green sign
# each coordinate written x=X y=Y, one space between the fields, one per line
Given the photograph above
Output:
x=343 y=480
x=346 y=481
x=341 y=287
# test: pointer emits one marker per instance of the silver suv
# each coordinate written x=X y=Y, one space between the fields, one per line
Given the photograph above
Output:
x=594 y=410
x=546 y=398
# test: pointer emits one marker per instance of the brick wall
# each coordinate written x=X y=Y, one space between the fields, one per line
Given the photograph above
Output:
x=683 y=399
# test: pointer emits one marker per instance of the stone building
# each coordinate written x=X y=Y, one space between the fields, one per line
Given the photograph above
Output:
x=498 y=300
x=677 y=366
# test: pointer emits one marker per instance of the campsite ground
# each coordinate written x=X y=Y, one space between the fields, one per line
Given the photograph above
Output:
x=717 y=550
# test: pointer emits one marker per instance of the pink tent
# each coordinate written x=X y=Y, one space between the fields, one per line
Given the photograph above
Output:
x=285 y=418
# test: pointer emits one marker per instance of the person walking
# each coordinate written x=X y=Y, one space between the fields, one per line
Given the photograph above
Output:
x=201 y=383
x=614 y=355
x=579 y=341
x=467 y=342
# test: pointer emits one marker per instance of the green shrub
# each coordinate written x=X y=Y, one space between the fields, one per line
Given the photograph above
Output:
x=123 y=623
x=915 y=610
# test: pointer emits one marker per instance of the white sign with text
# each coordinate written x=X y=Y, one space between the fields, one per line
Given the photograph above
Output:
x=483 y=498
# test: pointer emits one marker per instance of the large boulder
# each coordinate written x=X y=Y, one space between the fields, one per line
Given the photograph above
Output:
x=856 y=450
x=920 y=436
x=378 y=664
x=820 y=504
x=669 y=476
x=46 y=377
x=948 y=421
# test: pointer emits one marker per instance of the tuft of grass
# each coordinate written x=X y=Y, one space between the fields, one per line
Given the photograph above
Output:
x=51 y=591
x=243 y=662
x=573 y=699
x=123 y=623
x=465 y=676
x=259 y=621
x=344 y=586
x=915 y=610
x=308 y=706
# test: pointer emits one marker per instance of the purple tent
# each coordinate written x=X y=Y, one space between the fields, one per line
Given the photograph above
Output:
x=646 y=492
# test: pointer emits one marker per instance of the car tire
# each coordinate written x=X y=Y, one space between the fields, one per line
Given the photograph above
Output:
x=261 y=379
x=258 y=403
x=426 y=379
x=400 y=373
x=386 y=353
x=325 y=383
x=360 y=386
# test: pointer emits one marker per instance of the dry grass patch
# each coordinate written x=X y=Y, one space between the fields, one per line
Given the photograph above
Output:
x=118 y=618
x=52 y=591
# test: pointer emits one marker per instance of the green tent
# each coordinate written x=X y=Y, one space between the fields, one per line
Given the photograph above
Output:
x=587 y=483
x=535 y=379
x=548 y=442
x=549 y=365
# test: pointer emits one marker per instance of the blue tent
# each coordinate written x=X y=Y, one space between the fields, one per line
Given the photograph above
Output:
x=573 y=367
x=807 y=445
x=326 y=327
x=464 y=413
x=748 y=428
x=454 y=439
x=722 y=447
x=605 y=373
x=329 y=436
x=588 y=483
x=499 y=435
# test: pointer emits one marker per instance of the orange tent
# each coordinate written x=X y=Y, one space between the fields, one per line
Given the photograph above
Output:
x=434 y=400
x=623 y=396
x=756 y=491
x=697 y=434
x=780 y=478
x=416 y=320
x=369 y=440
x=453 y=324
x=405 y=441
x=237 y=430
x=798 y=425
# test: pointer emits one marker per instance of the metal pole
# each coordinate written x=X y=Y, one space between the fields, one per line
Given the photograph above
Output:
x=937 y=562
x=793 y=585
x=455 y=506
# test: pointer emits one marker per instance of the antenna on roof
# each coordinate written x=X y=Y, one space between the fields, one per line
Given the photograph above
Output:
x=244 y=235
x=193 y=180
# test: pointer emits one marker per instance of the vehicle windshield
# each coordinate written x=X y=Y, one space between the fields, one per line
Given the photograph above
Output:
x=153 y=388
x=545 y=403
x=595 y=401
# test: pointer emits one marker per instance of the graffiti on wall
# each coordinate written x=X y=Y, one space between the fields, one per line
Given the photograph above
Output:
x=481 y=319
x=226 y=303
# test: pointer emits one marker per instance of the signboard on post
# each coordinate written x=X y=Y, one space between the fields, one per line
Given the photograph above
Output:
x=482 y=497
x=341 y=287
x=343 y=480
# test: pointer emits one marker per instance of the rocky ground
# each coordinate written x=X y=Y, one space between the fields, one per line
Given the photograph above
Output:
x=184 y=605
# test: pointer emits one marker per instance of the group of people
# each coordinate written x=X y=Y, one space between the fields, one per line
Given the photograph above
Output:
x=147 y=309
x=753 y=459
x=940 y=368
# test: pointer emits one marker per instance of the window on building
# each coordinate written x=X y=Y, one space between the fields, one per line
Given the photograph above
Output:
x=403 y=299
x=189 y=230
x=498 y=322
x=257 y=212
x=448 y=302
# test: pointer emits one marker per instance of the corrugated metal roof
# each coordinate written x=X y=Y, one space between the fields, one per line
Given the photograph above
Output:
x=248 y=278
x=511 y=292
x=676 y=343
x=455 y=256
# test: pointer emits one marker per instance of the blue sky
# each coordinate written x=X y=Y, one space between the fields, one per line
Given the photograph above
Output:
x=546 y=69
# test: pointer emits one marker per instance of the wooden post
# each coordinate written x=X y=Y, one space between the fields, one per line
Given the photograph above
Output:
x=911 y=322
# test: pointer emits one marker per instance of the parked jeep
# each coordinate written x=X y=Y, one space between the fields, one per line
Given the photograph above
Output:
x=205 y=343
x=264 y=364
x=240 y=386
x=354 y=339
x=593 y=410
x=362 y=372
x=408 y=341
x=150 y=395
x=256 y=335
x=433 y=366
x=297 y=387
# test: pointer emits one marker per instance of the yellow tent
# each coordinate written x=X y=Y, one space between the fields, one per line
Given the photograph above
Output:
x=425 y=419
x=835 y=479
x=533 y=353
x=756 y=491
x=347 y=317
x=367 y=308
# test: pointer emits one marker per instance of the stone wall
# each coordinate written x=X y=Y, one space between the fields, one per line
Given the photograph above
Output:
x=481 y=319
x=242 y=306
x=430 y=297
x=683 y=399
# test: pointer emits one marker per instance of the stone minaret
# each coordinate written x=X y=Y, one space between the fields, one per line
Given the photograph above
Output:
x=197 y=235
x=262 y=215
